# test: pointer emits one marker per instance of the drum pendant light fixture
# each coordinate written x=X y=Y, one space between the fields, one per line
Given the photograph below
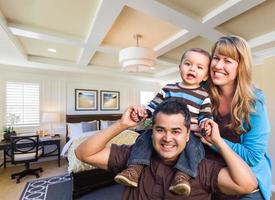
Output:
x=137 y=59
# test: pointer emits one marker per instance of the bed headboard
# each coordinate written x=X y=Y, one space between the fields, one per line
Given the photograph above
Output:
x=86 y=118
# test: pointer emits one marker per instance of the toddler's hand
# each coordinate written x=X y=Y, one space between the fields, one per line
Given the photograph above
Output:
x=205 y=128
x=138 y=114
x=134 y=116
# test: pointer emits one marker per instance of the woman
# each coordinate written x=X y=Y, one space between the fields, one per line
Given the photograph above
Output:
x=239 y=109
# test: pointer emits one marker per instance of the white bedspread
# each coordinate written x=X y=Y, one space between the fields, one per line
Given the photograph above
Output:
x=75 y=165
x=66 y=147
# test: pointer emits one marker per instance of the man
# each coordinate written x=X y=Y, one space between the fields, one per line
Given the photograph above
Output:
x=171 y=123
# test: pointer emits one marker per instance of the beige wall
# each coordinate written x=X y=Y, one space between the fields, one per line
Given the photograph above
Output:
x=264 y=77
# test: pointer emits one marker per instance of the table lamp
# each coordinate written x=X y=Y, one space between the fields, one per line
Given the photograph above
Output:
x=51 y=117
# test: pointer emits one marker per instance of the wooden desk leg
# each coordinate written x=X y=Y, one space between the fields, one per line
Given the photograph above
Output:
x=58 y=147
x=5 y=157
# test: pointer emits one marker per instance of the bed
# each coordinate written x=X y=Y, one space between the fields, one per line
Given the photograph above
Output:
x=87 y=178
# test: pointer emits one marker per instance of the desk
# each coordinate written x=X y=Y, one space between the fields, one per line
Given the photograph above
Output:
x=43 y=141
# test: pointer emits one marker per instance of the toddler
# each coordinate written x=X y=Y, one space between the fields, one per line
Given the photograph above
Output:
x=194 y=69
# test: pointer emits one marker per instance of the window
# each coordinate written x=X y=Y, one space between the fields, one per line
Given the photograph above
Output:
x=23 y=100
x=146 y=97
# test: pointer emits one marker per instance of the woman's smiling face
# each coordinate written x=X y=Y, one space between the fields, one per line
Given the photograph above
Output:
x=223 y=70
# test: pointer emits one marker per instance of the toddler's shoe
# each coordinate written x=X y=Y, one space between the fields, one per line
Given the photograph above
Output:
x=129 y=176
x=180 y=184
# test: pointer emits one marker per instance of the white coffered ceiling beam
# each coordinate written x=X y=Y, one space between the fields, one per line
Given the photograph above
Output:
x=52 y=61
x=266 y=53
x=106 y=14
x=167 y=14
x=228 y=10
x=216 y=17
x=44 y=35
x=174 y=41
x=57 y=65
x=263 y=39
x=10 y=42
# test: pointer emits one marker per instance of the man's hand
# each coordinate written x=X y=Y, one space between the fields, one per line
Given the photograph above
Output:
x=131 y=116
x=138 y=114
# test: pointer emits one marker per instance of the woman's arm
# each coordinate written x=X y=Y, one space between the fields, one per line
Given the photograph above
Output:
x=237 y=178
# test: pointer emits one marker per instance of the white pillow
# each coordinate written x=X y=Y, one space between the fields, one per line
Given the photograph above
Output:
x=74 y=130
x=106 y=123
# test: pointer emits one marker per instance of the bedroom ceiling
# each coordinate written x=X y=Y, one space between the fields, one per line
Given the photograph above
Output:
x=88 y=34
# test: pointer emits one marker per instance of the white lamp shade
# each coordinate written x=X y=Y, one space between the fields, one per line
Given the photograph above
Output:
x=49 y=117
x=137 y=59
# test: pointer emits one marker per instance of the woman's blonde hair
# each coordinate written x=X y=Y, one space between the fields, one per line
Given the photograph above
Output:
x=244 y=99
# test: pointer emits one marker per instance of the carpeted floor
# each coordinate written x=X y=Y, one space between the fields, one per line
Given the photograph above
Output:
x=60 y=188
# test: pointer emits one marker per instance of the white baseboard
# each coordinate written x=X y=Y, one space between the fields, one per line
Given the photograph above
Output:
x=273 y=188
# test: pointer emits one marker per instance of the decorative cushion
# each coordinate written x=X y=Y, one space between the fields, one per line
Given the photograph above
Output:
x=106 y=123
x=89 y=126
x=75 y=165
x=74 y=130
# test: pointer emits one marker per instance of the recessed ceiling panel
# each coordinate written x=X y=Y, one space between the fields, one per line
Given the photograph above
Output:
x=40 y=48
x=197 y=7
x=107 y=60
x=131 y=22
x=197 y=42
x=253 y=23
x=71 y=17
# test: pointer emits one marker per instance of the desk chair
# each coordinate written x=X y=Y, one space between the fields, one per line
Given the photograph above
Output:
x=25 y=149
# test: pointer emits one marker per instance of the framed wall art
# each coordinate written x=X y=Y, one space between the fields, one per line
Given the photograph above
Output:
x=85 y=99
x=109 y=100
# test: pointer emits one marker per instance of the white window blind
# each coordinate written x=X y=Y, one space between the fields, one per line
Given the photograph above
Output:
x=23 y=100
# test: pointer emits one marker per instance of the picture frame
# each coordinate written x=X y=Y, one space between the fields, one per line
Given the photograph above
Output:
x=109 y=100
x=86 y=100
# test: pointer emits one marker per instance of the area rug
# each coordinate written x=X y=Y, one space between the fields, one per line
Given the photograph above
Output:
x=52 y=188
x=60 y=188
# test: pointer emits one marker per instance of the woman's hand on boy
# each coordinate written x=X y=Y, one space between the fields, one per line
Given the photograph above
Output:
x=212 y=131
